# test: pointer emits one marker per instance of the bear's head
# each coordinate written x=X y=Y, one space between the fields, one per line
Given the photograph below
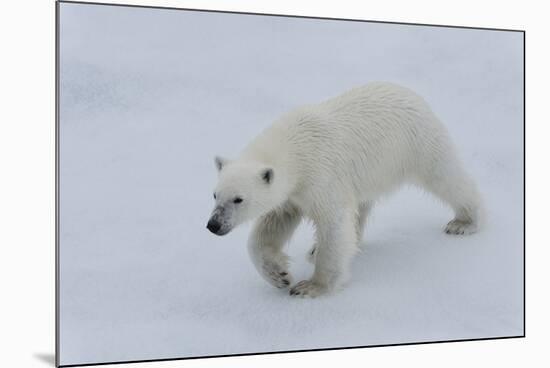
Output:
x=246 y=189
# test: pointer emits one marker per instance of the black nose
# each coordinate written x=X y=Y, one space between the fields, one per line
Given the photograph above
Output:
x=214 y=226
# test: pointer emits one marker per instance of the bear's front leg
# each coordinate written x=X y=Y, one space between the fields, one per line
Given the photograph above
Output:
x=266 y=242
x=336 y=245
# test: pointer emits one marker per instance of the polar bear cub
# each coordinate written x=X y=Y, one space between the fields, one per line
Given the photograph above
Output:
x=329 y=163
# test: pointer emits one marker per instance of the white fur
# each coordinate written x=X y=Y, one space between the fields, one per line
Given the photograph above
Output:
x=330 y=163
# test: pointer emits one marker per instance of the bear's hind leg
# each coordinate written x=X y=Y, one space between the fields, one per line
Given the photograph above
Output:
x=454 y=186
x=266 y=242
x=362 y=214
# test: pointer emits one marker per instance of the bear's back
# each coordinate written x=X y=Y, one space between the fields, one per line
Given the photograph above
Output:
x=380 y=129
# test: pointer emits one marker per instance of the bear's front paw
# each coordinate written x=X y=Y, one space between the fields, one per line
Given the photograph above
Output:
x=308 y=289
x=276 y=275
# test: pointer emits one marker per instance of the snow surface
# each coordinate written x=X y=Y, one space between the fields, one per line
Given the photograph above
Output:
x=148 y=97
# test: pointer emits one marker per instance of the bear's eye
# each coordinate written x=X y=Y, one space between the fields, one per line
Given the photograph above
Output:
x=237 y=200
x=214 y=195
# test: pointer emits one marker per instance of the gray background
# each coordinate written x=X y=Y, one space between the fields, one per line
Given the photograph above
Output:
x=149 y=96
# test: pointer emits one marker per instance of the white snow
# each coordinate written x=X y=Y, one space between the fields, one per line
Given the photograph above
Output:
x=148 y=97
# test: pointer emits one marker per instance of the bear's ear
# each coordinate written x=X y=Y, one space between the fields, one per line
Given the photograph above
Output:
x=220 y=162
x=267 y=175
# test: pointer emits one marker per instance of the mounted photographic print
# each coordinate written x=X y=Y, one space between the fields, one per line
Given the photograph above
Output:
x=233 y=183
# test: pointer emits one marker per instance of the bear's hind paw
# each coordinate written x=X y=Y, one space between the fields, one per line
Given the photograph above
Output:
x=460 y=227
x=311 y=254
